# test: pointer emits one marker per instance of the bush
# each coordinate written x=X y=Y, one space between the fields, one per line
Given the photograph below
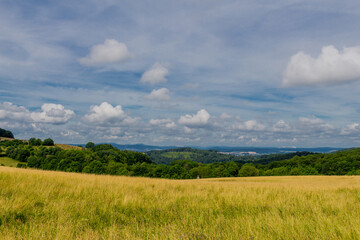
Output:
x=21 y=165
x=35 y=142
x=48 y=142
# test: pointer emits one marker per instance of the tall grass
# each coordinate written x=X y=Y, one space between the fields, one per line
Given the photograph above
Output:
x=54 y=205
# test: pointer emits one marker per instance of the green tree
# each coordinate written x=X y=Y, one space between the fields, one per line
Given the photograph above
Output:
x=6 y=133
x=95 y=167
x=90 y=145
x=248 y=170
x=48 y=142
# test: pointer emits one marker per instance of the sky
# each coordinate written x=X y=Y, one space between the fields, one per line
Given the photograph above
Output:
x=182 y=73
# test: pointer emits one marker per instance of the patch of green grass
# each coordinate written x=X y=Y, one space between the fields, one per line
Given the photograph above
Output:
x=9 y=162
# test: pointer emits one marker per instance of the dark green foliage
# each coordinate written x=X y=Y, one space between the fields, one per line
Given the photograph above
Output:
x=90 y=145
x=48 y=142
x=18 y=153
x=248 y=170
x=95 y=167
x=6 y=133
x=21 y=165
x=268 y=158
x=34 y=162
x=35 y=142
x=13 y=143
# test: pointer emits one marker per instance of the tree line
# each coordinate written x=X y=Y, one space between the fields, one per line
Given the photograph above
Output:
x=106 y=159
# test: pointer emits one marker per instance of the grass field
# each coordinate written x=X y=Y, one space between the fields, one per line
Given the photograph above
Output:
x=38 y=204
x=8 y=162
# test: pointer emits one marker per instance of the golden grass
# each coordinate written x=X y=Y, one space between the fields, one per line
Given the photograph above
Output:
x=38 y=204
x=67 y=147
x=6 y=139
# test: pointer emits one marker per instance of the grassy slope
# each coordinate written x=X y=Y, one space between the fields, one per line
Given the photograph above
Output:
x=55 y=205
x=67 y=147
x=8 y=161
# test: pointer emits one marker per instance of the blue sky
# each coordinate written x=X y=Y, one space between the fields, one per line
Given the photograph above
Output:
x=236 y=73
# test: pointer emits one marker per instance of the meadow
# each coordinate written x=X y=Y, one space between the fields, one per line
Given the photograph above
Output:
x=37 y=204
x=9 y=162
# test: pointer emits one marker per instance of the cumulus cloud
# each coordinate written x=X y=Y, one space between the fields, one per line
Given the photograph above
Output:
x=281 y=126
x=159 y=94
x=251 y=125
x=52 y=113
x=105 y=113
x=200 y=119
x=331 y=67
x=168 y=123
x=9 y=111
x=110 y=52
x=156 y=74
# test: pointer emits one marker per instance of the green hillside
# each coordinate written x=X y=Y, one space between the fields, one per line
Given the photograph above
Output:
x=9 y=162
x=211 y=156
x=200 y=156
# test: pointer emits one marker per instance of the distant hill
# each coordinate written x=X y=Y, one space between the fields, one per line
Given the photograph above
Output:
x=202 y=156
x=134 y=147
x=210 y=156
x=271 y=150
x=229 y=150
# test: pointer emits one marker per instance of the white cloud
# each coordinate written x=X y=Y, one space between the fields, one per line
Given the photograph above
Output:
x=156 y=74
x=110 y=52
x=313 y=125
x=225 y=116
x=9 y=111
x=159 y=94
x=251 y=125
x=201 y=118
x=353 y=128
x=331 y=67
x=105 y=113
x=167 y=122
x=310 y=121
x=170 y=125
x=281 y=126
x=52 y=113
